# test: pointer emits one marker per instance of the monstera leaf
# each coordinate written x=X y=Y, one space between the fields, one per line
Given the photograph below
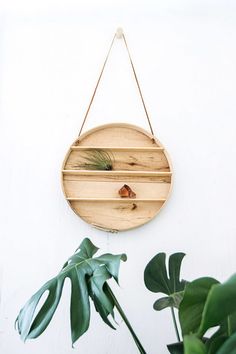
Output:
x=229 y=347
x=220 y=306
x=193 y=303
x=193 y=345
x=207 y=304
x=88 y=276
x=227 y=327
x=157 y=280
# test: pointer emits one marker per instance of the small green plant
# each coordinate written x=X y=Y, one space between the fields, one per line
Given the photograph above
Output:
x=88 y=276
x=97 y=159
x=158 y=280
x=202 y=304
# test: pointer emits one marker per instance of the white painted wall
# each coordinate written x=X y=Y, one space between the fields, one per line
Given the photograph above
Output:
x=50 y=56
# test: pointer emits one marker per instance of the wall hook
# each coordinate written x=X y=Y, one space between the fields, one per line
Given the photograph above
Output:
x=119 y=33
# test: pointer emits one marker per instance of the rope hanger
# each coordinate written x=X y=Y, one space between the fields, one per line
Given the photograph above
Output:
x=119 y=35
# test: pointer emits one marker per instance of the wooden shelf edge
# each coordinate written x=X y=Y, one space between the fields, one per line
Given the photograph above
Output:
x=117 y=173
x=115 y=148
x=131 y=200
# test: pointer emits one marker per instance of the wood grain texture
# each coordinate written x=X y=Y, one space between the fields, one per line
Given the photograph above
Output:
x=118 y=216
x=82 y=189
x=120 y=148
x=115 y=135
x=143 y=177
x=125 y=160
x=139 y=161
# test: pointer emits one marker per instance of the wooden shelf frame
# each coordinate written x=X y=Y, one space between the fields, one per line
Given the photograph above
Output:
x=117 y=173
x=127 y=200
x=139 y=160
x=117 y=148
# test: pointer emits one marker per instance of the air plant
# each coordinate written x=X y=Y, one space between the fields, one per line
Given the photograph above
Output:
x=97 y=159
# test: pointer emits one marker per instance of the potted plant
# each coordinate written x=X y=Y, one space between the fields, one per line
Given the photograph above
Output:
x=88 y=275
x=202 y=304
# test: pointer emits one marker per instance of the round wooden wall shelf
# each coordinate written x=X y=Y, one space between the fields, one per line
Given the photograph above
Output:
x=122 y=195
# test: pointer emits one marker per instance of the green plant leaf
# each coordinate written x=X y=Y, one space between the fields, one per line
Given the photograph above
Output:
x=97 y=159
x=157 y=280
x=162 y=303
x=219 y=305
x=229 y=346
x=227 y=327
x=88 y=276
x=193 y=345
x=192 y=305
x=168 y=301
x=214 y=343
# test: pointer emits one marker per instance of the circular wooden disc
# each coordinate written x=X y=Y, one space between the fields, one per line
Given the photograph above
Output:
x=138 y=161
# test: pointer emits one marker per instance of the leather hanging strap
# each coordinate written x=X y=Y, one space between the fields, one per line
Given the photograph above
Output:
x=119 y=34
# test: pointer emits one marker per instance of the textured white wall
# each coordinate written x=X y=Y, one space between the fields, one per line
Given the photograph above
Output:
x=50 y=56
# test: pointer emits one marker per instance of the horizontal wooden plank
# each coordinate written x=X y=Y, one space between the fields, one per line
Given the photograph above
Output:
x=120 y=200
x=117 y=173
x=123 y=159
x=116 y=178
x=119 y=148
x=116 y=135
x=117 y=216
x=104 y=189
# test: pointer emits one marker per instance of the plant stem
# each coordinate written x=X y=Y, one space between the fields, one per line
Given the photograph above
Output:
x=175 y=323
x=229 y=329
x=122 y=314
